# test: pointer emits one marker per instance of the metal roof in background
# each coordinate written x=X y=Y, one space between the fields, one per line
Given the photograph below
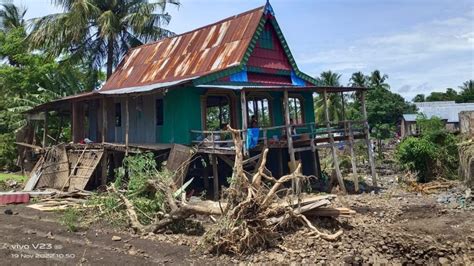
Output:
x=446 y=110
x=196 y=53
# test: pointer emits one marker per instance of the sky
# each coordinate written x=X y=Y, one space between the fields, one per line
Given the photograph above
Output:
x=422 y=45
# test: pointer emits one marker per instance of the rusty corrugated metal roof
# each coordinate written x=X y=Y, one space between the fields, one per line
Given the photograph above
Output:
x=193 y=54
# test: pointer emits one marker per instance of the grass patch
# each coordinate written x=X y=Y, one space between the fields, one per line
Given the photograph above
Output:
x=71 y=218
x=10 y=176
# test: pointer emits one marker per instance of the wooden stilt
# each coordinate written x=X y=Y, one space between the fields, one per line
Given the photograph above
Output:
x=369 y=143
x=243 y=105
x=353 y=159
x=104 y=169
x=215 y=173
x=127 y=125
x=315 y=159
x=75 y=123
x=45 y=129
x=104 y=120
x=205 y=179
x=289 y=138
x=333 y=148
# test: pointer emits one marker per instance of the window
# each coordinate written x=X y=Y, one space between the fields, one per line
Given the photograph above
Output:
x=218 y=112
x=296 y=110
x=258 y=108
x=118 y=114
x=159 y=112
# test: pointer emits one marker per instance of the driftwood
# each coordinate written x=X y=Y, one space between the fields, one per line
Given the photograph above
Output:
x=258 y=207
x=253 y=212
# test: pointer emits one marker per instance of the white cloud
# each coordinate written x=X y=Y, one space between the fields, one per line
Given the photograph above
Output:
x=428 y=56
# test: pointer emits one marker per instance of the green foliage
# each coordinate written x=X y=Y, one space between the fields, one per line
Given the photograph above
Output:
x=71 y=218
x=96 y=31
x=434 y=124
x=465 y=95
x=449 y=95
x=467 y=92
x=134 y=175
x=434 y=153
x=419 y=98
x=334 y=100
x=418 y=155
x=28 y=79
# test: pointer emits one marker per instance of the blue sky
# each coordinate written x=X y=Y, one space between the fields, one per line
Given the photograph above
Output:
x=423 y=45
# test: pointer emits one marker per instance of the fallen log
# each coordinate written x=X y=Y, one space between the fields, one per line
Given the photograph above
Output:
x=330 y=212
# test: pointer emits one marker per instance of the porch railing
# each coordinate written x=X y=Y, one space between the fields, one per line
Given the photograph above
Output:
x=221 y=140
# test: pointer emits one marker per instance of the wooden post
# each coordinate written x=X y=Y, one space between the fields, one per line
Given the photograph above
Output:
x=127 y=126
x=333 y=148
x=243 y=104
x=104 y=120
x=105 y=169
x=205 y=178
x=45 y=128
x=367 y=140
x=289 y=138
x=353 y=159
x=60 y=127
x=75 y=123
x=344 y=113
x=215 y=174
x=315 y=158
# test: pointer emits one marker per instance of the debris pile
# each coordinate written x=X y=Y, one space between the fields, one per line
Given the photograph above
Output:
x=258 y=207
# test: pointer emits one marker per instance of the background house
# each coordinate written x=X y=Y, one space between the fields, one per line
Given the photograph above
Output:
x=448 y=111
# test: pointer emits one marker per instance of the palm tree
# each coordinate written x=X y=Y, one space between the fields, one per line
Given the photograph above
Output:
x=12 y=26
x=11 y=17
x=467 y=92
x=358 y=79
x=334 y=101
x=100 y=32
x=377 y=80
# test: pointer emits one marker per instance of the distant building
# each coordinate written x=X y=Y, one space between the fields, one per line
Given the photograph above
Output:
x=448 y=111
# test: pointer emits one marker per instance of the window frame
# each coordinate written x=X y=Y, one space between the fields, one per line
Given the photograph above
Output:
x=301 y=100
x=260 y=96
x=231 y=97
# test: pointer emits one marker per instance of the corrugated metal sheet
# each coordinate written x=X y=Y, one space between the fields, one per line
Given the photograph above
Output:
x=448 y=110
x=196 y=53
x=14 y=198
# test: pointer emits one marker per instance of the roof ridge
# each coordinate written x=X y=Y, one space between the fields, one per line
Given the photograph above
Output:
x=200 y=28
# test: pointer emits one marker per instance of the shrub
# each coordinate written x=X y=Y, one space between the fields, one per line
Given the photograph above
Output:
x=418 y=155
x=434 y=153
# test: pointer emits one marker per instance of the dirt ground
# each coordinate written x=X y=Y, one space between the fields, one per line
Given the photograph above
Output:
x=393 y=226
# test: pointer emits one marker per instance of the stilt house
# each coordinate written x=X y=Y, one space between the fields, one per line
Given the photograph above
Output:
x=186 y=89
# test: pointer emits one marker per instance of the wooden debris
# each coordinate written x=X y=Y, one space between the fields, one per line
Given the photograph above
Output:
x=255 y=211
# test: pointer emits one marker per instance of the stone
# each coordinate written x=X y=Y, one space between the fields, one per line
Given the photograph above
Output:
x=116 y=238
x=443 y=260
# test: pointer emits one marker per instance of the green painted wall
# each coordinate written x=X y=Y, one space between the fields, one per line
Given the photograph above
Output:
x=308 y=107
x=182 y=113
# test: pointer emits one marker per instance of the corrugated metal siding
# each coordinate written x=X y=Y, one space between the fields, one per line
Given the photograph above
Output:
x=196 y=53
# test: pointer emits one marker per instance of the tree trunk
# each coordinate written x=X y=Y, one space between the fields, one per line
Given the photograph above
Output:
x=110 y=56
